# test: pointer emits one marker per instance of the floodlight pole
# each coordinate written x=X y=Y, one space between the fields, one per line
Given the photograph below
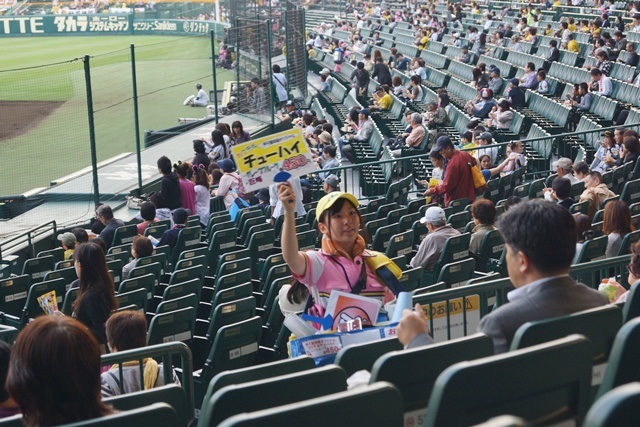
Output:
x=136 y=120
x=92 y=130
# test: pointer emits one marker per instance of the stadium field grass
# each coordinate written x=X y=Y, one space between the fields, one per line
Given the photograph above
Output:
x=57 y=138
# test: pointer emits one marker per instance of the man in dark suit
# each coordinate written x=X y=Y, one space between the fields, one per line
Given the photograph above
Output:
x=541 y=239
x=554 y=53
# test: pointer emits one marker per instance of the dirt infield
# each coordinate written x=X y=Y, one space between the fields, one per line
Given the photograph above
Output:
x=20 y=116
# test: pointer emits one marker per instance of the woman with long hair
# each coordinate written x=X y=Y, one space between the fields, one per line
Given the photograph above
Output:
x=54 y=372
x=219 y=150
x=188 y=194
x=341 y=263
x=616 y=224
x=96 y=291
x=238 y=134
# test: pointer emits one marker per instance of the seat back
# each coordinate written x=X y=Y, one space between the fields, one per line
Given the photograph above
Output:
x=378 y=404
x=628 y=240
x=155 y=414
x=623 y=365
x=357 y=357
x=455 y=248
x=32 y=308
x=190 y=300
x=229 y=313
x=235 y=346
x=230 y=267
x=69 y=298
x=414 y=371
x=186 y=274
x=631 y=308
x=491 y=248
x=176 y=325
x=13 y=293
x=191 y=262
x=275 y=391
x=232 y=294
x=171 y=394
x=400 y=244
x=193 y=286
x=382 y=236
x=37 y=268
x=548 y=389
x=57 y=253
x=260 y=246
x=147 y=281
x=618 y=408
x=188 y=238
x=232 y=279
x=593 y=249
x=600 y=325
x=457 y=273
x=137 y=297
x=124 y=235
x=154 y=268
x=68 y=274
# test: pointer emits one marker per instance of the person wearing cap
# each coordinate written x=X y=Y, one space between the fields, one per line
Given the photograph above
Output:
x=502 y=116
x=458 y=180
x=608 y=153
x=68 y=242
x=263 y=198
x=382 y=100
x=200 y=99
x=290 y=112
x=431 y=246
x=515 y=94
x=564 y=167
x=496 y=83
x=455 y=40
x=170 y=237
x=324 y=139
x=484 y=139
x=229 y=183
x=465 y=56
x=340 y=264
x=595 y=192
x=331 y=184
x=540 y=240
x=327 y=83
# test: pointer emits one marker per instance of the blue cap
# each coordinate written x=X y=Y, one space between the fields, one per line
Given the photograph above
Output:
x=364 y=111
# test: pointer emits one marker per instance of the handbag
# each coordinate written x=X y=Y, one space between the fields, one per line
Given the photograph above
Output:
x=479 y=182
x=238 y=204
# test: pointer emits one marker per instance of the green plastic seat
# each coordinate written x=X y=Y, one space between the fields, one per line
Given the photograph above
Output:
x=37 y=268
x=171 y=394
x=137 y=298
x=456 y=248
x=357 y=357
x=378 y=404
x=623 y=359
x=124 y=235
x=155 y=414
x=549 y=388
x=176 y=325
x=617 y=408
x=13 y=293
x=147 y=282
x=593 y=250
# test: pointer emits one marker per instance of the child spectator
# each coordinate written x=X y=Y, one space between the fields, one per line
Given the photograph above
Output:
x=543 y=84
x=127 y=330
x=140 y=248
x=68 y=241
x=148 y=214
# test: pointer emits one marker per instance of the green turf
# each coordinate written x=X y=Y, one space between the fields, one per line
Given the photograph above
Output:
x=167 y=69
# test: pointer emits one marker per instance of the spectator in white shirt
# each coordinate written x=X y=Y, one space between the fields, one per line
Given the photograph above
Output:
x=605 y=88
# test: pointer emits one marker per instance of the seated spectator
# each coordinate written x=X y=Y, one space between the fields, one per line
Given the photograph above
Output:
x=398 y=88
x=564 y=168
x=543 y=84
x=381 y=72
x=516 y=161
x=417 y=69
x=436 y=116
x=573 y=96
x=162 y=210
x=169 y=186
x=484 y=139
x=595 y=193
x=607 y=155
x=127 y=330
x=540 y=242
x=483 y=212
x=414 y=92
x=501 y=115
x=496 y=83
x=148 y=215
x=485 y=165
x=105 y=216
x=479 y=79
x=413 y=139
x=581 y=170
x=530 y=79
x=229 y=183
x=634 y=274
x=327 y=161
x=8 y=406
x=465 y=56
x=616 y=224
x=632 y=57
x=331 y=184
x=290 y=114
x=54 y=373
x=600 y=81
x=170 y=237
x=140 y=247
x=583 y=105
x=402 y=63
x=554 y=53
x=482 y=108
x=382 y=101
x=238 y=134
x=602 y=63
x=81 y=235
x=560 y=193
x=68 y=242
x=364 y=131
x=431 y=246
x=630 y=149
